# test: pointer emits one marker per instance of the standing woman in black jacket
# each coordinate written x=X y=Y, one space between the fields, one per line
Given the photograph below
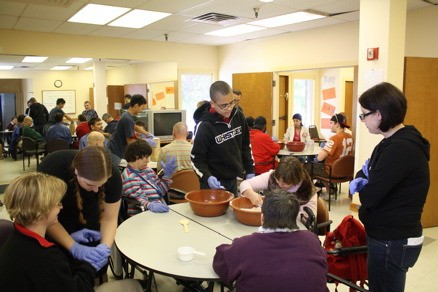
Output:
x=392 y=186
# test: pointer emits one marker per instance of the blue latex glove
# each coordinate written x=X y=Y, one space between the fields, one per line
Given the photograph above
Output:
x=169 y=167
x=315 y=160
x=365 y=167
x=356 y=185
x=99 y=264
x=250 y=175
x=88 y=253
x=214 y=184
x=103 y=250
x=158 y=207
x=85 y=235
x=322 y=144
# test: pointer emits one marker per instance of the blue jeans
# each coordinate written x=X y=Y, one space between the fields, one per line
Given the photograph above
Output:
x=388 y=262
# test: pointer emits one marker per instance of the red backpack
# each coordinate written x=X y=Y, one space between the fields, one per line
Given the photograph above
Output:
x=352 y=267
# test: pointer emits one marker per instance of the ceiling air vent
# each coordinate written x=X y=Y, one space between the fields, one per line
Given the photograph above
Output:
x=214 y=18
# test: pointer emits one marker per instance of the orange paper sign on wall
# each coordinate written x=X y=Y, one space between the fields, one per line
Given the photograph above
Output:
x=160 y=95
x=170 y=90
x=325 y=123
x=154 y=101
x=329 y=93
x=328 y=109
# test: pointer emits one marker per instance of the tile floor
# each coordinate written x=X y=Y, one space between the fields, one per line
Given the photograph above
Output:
x=423 y=277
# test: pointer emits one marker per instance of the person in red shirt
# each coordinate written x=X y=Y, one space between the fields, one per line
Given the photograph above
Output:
x=264 y=149
x=81 y=130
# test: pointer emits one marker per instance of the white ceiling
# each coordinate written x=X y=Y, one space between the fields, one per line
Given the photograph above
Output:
x=51 y=16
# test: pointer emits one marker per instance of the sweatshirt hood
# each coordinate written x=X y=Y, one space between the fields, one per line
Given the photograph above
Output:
x=411 y=134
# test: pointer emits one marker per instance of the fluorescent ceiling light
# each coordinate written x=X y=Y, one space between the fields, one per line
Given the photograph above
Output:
x=33 y=59
x=98 y=14
x=235 y=30
x=59 y=68
x=266 y=0
x=78 y=60
x=138 y=18
x=88 y=68
x=290 y=18
x=6 y=67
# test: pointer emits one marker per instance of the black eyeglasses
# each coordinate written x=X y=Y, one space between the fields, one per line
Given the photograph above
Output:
x=363 y=116
x=227 y=105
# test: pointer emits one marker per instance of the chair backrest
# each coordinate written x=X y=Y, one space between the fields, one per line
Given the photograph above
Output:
x=322 y=217
x=28 y=144
x=185 y=180
x=6 y=228
x=56 y=144
x=313 y=132
x=343 y=167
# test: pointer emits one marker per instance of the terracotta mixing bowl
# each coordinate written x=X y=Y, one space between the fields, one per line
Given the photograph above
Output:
x=281 y=143
x=209 y=203
x=245 y=212
x=295 y=146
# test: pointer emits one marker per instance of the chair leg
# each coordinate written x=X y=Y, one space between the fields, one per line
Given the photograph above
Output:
x=24 y=168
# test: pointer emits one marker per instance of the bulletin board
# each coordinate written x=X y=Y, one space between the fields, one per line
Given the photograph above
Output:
x=162 y=95
x=50 y=97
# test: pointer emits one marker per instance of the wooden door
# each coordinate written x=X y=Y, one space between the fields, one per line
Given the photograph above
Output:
x=115 y=94
x=421 y=90
x=283 y=106
x=256 y=98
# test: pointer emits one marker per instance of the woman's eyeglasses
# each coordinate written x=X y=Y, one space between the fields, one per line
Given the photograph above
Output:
x=363 y=116
x=227 y=105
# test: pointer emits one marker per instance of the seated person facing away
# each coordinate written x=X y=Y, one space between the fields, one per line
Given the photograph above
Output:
x=83 y=128
x=96 y=138
x=30 y=262
x=110 y=123
x=264 y=149
x=95 y=124
x=147 y=136
x=340 y=144
x=141 y=183
x=28 y=131
x=290 y=176
x=278 y=257
x=179 y=147
x=59 y=130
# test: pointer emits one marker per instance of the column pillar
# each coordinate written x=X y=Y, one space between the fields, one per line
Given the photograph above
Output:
x=99 y=87
x=382 y=25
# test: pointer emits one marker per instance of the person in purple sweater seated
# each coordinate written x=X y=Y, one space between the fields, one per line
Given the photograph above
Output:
x=278 y=257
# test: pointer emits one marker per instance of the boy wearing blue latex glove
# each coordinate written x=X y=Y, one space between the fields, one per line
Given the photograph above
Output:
x=85 y=235
x=221 y=147
x=142 y=183
x=214 y=184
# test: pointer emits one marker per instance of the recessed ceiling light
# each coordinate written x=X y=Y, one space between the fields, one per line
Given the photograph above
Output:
x=138 y=18
x=6 y=67
x=286 y=19
x=98 y=14
x=235 y=30
x=78 y=60
x=60 y=68
x=33 y=59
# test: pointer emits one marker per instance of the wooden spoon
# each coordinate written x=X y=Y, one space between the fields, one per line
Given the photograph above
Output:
x=185 y=223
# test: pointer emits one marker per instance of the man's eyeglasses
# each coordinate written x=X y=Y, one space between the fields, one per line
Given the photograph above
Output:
x=363 y=116
x=227 y=105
